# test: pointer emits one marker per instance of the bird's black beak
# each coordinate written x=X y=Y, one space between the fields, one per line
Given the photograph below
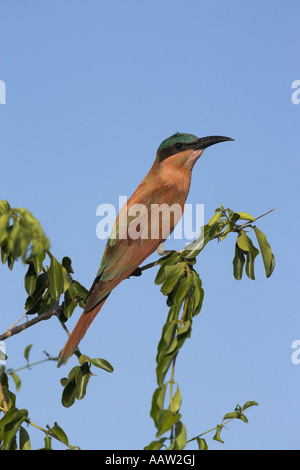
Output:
x=205 y=142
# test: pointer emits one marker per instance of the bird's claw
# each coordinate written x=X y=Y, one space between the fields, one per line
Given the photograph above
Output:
x=137 y=272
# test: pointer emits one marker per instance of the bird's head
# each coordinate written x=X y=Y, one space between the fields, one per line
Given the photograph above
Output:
x=186 y=148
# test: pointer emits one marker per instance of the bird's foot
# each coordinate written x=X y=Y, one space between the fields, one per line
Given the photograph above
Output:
x=137 y=272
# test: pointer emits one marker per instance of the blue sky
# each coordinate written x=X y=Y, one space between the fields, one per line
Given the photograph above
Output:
x=92 y=88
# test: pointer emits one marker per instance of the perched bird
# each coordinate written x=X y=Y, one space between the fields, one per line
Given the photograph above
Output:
x=136 y=237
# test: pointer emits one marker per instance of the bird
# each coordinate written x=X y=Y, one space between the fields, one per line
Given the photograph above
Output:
x=134 y=237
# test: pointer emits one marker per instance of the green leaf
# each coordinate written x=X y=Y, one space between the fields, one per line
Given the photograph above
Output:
x=69 y=394
x=158 y=403
x=77 y=291
x=246 y=216
x=226 y=231
x=81 y=380
x=73 y=373
x=47 y=303
x=248 y=404
x=11 y=423
x=217 y=228
x=156 y=445
x=57 y=432
x=56 y=279
x=47 y=442
x=34 y=301
x=217 y=436
x=266 y=252
x=16 y=380
x=4 y=223
x=83 y=358
x=10 y=262
x=68 y=305
x=234 y=218
x=102 y=364
x=4 y=207
x=176 y=401
x=3 y=375
x=64 y=381
x=242 y=241
x=201 y=443
x=4 y=253
x=163 y=367
x=182 y=291
x=171 y=258
x=232 y=415
x=8 y=397
x=238 y=262
x=168 y=334
x=251 y=255
x=242 y=417
x=215 y=218
x=67 y=264
x=24 y=440
x=27 y=351
x=31 y=231
x=38 y=262
x=184 y=332
x=180 y=435
x=14 y=241
x=198 y=294
x=160 y=276
x=166 y=421
x=172 y=275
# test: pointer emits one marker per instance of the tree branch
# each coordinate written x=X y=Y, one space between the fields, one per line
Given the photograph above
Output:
x=17 y=329
x=57 y=309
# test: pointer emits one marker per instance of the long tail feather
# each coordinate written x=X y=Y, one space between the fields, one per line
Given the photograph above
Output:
x=78 y=333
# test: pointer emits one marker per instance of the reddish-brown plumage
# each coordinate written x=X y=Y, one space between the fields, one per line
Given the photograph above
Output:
x=167 y=182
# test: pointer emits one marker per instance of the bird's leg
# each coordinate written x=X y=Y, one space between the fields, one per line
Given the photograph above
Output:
x=160 y=250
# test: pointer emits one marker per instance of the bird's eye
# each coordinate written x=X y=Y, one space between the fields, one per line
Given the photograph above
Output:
x=178 y=145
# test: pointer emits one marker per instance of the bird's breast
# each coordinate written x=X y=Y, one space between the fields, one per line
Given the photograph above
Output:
x=157 y=205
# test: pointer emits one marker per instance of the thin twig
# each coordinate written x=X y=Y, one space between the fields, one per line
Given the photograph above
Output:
x=48 y=431
x=16 y=322
x=215 y=428
x=28 y=366
x=17 y=329
x=150 y=265
x=13 y=330
x=259 y=217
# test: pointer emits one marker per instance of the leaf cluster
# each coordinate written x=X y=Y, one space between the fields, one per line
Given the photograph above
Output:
x=224 y=222
x=182 y=286
x=45 y=284
x=15 y=422
x=76 y=383
x=21 y=235
x=47 y=280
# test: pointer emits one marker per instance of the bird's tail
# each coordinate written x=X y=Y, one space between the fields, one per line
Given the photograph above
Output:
x=78 y=333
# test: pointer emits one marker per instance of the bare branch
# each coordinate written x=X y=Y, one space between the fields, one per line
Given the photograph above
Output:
x=44 y=316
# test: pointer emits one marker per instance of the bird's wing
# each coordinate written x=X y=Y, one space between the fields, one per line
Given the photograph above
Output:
x=133 y=243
